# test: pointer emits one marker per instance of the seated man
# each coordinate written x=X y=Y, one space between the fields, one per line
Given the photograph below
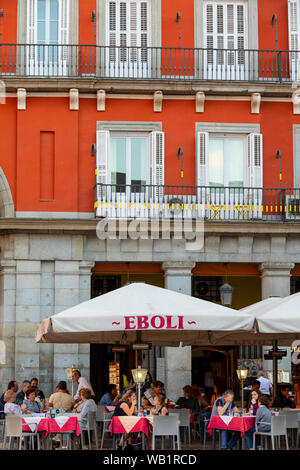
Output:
x=61 y=398
x=283 y=399
x=157 y=389
x=263 y=415
x=111 y=397
x=223 y=407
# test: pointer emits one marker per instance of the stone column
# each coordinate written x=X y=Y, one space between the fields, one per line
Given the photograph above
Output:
x=85 y=268
x=66 y=295
x=275 y=282
x=28 y=311
x=7 y=322
x=178 y=361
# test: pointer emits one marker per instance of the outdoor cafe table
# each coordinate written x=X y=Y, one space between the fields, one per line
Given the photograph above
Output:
x=230 y=423
x=59 y=424
x=127 y=424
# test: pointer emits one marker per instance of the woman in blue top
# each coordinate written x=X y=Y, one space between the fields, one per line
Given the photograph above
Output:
x=32 y=406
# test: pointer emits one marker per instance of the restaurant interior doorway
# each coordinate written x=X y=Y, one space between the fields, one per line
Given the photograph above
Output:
x=101 y=355
x=220 y=359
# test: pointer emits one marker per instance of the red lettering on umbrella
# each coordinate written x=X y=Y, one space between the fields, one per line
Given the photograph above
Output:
x=161 y=322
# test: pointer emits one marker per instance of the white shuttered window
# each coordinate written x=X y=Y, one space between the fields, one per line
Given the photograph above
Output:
x=225 y=27
x=129 y=26
x=48 y=26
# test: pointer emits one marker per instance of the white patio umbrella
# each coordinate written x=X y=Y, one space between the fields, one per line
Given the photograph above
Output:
x=146 y=313
x=281 y=317
x=277 y=318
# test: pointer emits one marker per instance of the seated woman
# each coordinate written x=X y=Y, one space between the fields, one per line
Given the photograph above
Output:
x=32 y=406
x=88 y=405
x=252 y=405
x=204 y=410
x=159 y=407
x=187 y=401
x=10 y=406
x=127 y=405
x=283 y=400
x=263 y=421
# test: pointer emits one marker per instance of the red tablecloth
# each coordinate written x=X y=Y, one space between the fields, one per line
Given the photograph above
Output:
x=51 y=425
x=238 y=423
x=126 y=424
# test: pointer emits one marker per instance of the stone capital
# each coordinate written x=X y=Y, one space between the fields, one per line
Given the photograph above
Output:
x=178 y=268
x=85 y=267
x=275 y=269
x=7 y=266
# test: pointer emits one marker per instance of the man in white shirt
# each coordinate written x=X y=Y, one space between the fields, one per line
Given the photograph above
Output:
x=265 y=384
x=82 y=383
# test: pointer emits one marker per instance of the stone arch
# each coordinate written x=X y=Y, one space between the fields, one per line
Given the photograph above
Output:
x=7 y=208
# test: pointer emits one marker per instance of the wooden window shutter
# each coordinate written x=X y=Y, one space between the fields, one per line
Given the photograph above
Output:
x=102 y=157
x=294 y=40
x=202 y=159
x=255 y=160
x=157 y=160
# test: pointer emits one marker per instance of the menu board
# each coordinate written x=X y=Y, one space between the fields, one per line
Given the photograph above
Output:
x=114 y=374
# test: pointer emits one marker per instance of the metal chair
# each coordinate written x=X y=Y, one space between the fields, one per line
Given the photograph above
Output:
x=103 y=417
x=298 y=432
x=278 y=429
x=166 y=426
x=215 y=431
x=14 y=428
x=184 y=420
x=2 y=427
x=291 y=422
x=91 y=426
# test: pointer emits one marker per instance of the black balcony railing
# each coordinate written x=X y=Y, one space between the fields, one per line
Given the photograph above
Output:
x=141 y=201
x=151 y=63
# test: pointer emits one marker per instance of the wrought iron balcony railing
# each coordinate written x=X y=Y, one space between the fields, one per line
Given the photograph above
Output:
x=139 y=201
x=148 y=63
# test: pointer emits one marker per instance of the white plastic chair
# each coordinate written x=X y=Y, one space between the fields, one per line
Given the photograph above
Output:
x=14 y=428
x=184 y=420
x=104 y=418
x=166 y=426
x=278 y=429
x=91 y=426
x=291 y=421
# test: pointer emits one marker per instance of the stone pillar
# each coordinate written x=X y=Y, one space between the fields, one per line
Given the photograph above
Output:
x=47 y=310
x=7 y=322
x=28 y=312
x=85 y=268
x=275 y=282
x=178 y=361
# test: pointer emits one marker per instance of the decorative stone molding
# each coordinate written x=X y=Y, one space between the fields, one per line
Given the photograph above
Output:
x=21 y=94
x=275 y=269
x=101 y=96
x=255 y=103
x=74 y=99
x=296 y=101
x=200 y=100
x=157 y=101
